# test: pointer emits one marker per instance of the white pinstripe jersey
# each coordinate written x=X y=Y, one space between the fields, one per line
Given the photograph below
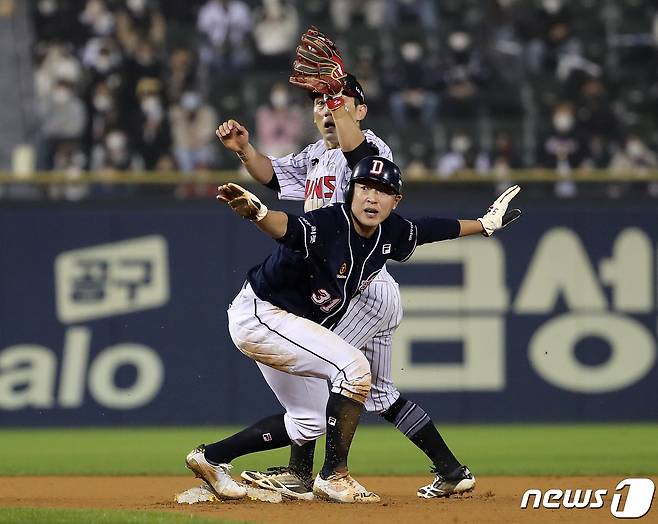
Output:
x=318 y=175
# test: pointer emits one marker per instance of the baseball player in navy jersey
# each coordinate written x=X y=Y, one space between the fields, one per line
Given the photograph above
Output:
x=283 y=316
x=319 y=175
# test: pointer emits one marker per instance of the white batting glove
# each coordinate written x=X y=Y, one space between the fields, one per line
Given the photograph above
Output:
x=497 y=217
x=243 y=202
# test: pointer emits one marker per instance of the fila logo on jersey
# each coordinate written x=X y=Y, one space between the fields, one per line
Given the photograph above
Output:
x=342 y=271
x=386 y=249
x=267 y=437
x=331 y=421
x=377 y=167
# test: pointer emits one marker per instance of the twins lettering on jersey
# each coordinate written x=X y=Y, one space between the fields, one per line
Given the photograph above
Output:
x=321 y=187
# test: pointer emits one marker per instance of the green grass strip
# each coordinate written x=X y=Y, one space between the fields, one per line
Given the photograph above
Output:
x=85 y=516
x=536 y=449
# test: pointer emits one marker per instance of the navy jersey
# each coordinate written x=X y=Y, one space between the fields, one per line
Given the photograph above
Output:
x=322 y=262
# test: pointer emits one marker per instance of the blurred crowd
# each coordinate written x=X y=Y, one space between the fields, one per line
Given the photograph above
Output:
x=486 y=85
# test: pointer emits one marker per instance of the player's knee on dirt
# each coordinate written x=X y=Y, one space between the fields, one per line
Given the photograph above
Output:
x=354 y=380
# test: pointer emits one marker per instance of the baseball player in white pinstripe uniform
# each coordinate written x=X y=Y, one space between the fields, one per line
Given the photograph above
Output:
x=319 y=175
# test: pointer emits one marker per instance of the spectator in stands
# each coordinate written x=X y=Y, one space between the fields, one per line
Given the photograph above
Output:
x=417 y=165
x=635 y=158
x=70 y=160
x=595 y=113
x=420 y=12
x=225 y=28
x=193 y=125
x=59 y=63
x=97 y=19
x=140 y=21
x=63 y=117
x=563 y=148
x=103 y=115
x=462 y=75
x=552 y=30
x=342 y=13
x=180 y=73
x=505 y=155
x=410 y=87
x=143 y=64
x=103 y=60
x=599 y=151
x=151 y=133
x=113 y=153
x=280 y=124
x=461 y=155
x=276 y=34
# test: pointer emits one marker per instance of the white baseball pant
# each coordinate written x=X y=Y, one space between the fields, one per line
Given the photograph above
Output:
x=293 y=345
x=369 y=323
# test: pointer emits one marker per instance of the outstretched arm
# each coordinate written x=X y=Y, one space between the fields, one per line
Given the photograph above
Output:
x=497 y=217
x=247 y=205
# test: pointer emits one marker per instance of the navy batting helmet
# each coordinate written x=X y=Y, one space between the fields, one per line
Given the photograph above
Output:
x=379 y=169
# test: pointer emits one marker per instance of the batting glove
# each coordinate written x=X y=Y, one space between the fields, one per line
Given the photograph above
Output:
x=244 y=203
x=497 y=217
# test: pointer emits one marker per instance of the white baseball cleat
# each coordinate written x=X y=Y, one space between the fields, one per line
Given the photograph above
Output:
x=343 y=488
x=217 y=477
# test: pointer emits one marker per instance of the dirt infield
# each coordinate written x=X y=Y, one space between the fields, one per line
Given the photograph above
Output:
x=495 y=500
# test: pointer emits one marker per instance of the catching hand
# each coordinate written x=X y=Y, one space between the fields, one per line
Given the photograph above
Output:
x=497 y=217
x=243 y=202
x=318 y=66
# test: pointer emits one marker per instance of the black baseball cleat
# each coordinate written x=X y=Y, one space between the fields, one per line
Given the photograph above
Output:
x=283 y=480
x=461 y=480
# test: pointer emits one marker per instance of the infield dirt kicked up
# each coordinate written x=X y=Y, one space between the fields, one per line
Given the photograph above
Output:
x=495 y=500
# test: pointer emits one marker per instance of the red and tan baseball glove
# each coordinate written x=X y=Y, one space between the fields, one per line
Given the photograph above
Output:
x=318 y=66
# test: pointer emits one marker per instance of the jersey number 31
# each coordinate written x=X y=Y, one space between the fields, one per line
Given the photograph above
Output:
x=323 y=299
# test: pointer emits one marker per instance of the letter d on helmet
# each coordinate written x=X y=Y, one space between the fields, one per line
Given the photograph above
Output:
x=378 y=169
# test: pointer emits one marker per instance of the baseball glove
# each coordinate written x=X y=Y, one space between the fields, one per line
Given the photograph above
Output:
x=497 y=217
x=243 y=202
x=318 y=66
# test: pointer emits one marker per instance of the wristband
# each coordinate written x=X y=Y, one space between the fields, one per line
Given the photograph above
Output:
x=262 y=212
x=335 y=102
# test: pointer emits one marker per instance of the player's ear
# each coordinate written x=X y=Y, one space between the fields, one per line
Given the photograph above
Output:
x=361 y=112
x=397 y=201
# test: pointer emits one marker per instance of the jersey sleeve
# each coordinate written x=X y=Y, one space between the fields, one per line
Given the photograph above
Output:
x=305 y=232
x=377 y=145
x=405 y=238
x=412 y=233
x=290 y=172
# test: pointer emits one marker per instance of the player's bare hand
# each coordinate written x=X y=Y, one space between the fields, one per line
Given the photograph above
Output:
x=233 y=135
